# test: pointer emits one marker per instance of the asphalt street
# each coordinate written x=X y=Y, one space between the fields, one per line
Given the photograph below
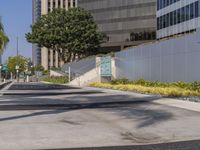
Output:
x=47 y=116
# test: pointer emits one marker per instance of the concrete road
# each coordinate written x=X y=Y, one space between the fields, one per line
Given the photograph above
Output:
x=44 y=116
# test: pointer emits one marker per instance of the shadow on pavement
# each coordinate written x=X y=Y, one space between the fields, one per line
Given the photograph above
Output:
x=52 y=93
x=126 y=106
x=183 y=145
x=40 y=86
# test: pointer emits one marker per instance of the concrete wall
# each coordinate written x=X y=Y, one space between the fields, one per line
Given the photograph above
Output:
x=81 y=67
x=170 y=60
x=84 y=71
x=56 y=73
x=87 y=78
x=87 y=71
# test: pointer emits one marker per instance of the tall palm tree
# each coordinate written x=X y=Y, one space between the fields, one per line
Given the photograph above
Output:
x=3 y=39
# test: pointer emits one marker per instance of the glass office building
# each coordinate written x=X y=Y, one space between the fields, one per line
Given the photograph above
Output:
x=125 y=22
x=177 y=17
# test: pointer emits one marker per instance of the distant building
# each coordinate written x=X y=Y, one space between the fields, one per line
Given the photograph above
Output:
x=177 y=17
x=125 y=22
x=36 y=51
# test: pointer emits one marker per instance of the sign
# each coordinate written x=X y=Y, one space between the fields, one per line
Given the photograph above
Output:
x=38 y=74
x=28 y=72
x=17 y=67
x=5 y=68
x=106 y=68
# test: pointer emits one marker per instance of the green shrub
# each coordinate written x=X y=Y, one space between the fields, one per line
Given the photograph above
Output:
x=56 y=80
x=179 y=88
x=46 y=72
x=121 y=81
x=165 y=91
x=194 y=86
x=188 y=86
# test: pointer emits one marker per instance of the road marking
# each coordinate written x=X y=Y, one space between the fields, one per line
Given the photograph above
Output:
x=5 y=88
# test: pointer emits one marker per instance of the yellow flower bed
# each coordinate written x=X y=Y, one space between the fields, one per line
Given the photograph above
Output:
x=167 y=91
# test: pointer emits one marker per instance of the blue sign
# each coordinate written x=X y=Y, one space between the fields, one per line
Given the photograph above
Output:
x=106 y=68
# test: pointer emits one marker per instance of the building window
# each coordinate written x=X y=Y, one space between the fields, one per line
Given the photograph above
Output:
x=74 y=3
x=183 y=14
x=143 y=36
x=64 y=4
x=187 y=12
x=69 y=3
x=196 y=9
x=171 y=15
x=164 y=3
x=178 y=16
x=54 y=4
x=49 y=5
x=59 y=4
x=192 y=11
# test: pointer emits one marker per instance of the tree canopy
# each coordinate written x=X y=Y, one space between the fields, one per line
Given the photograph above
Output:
x=21 y=61
x=3 y=38
x=73 y=33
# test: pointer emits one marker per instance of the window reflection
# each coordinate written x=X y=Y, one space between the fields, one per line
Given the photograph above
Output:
x=180 y=15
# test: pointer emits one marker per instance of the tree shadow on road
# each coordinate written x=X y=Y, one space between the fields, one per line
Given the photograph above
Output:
x=140 y=109
x=51 y=112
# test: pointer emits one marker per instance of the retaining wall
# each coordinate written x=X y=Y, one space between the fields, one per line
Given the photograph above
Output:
x=170 y=60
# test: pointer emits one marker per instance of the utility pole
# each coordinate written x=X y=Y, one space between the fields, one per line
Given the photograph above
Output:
x=17 y=46
x=17 y=66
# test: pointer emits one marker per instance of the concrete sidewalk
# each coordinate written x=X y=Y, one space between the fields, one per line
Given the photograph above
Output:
x=101 y=119
x=189 y=105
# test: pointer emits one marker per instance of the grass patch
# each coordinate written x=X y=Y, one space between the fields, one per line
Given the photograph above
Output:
x=56 y=80
x=176 y=89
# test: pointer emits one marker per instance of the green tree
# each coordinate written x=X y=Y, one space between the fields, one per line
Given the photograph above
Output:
x=20 y=61
x=72 y=33
x=3 y=38
x=38 y=68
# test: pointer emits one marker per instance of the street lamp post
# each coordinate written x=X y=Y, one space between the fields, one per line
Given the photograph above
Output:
x=17 y=70
x=0 y=73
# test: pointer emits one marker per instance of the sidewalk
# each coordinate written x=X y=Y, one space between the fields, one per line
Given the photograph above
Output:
x=189 y=105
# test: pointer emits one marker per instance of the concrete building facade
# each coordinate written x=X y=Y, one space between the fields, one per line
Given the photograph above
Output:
x=49 y=58
x=177 y=17
x=125 y=22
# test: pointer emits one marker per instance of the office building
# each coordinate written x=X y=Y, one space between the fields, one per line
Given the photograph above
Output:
x=125 y=22
x=49 y=58
x=177 y=17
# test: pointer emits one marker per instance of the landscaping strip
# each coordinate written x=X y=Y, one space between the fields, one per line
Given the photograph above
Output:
x=177 y=89
x=56 y=80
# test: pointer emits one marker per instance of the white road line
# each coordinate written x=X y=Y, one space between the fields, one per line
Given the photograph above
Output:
x=5 y=88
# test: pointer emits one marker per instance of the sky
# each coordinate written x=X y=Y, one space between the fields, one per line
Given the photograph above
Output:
x=17 y=18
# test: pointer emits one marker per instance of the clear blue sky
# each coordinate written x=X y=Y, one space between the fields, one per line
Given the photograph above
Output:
x=17 y=18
